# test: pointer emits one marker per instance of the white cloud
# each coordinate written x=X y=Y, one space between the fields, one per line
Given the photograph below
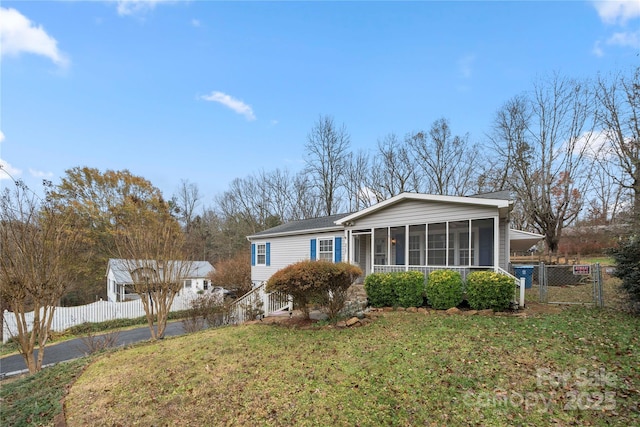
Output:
x=132 y=7
x=40 y=174
x=18 y=34
x=196 y=23
x=597 y=49
x=594 y=145
x=8 y=172
x=618 y=11
x=1 y=136
x=232 y=103
x=625 y=39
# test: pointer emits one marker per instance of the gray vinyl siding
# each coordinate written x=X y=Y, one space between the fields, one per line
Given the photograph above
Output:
x=420 y=212
x=503 y=262
x=288 y=250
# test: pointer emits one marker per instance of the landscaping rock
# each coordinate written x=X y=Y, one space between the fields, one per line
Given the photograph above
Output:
x=423 y=310
x=352 y=321
x=453 y=310
x=387 y=309
x=412 y=310
x=470 y=312
x=486 y=312
x=318 y=315
x=400 y=309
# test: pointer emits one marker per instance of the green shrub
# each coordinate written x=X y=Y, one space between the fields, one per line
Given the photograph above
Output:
x=379 y=288
x=444 y=289
x=409 y=288
x=398 y=289
x=627 y=259
x=487 y=289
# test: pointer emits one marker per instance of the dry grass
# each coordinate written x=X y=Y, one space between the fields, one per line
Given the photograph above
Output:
x=403 y=369
x=582 y=294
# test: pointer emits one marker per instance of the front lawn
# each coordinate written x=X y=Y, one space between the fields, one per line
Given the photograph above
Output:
x=576 y=367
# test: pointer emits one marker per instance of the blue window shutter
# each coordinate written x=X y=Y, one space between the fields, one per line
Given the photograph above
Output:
x=313 y=250
x=253 y=254
x=338 y=249
x=268 y=255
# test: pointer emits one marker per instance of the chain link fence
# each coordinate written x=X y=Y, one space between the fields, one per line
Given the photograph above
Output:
x=580 y=284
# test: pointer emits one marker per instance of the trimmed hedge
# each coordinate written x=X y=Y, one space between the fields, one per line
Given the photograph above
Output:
x=319 y=282
x=486 y=289
x=444 y=289
x=398 y=289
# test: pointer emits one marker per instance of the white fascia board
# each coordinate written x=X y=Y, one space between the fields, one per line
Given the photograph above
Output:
x=520 y=234
x=294 y=233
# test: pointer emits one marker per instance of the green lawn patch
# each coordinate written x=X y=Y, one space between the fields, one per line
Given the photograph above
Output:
x=36 y=399
x=578 y=367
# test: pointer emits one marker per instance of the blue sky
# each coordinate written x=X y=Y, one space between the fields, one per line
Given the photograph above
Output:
x=209 y=91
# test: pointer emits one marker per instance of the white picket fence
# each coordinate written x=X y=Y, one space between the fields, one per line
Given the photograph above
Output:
x=100 y=311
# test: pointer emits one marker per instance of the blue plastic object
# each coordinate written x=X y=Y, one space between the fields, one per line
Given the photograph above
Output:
x=526 y=272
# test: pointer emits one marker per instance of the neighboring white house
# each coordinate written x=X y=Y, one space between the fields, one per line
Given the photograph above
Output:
x=120 y=282
x=410 y=231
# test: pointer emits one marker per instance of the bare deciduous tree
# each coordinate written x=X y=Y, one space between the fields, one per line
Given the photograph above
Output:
x=150 y=243
x=326 y=154
x=185 y=202
x=306 y=197
x=619 y=118
x=542 y=140
x=448 y=162
x=357 y=181
x=38 y=244
x=394 y=169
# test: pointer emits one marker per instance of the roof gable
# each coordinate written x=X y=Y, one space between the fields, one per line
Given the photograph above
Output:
x=462 y=200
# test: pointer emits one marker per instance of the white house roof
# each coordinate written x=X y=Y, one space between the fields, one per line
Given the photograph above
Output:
x=479 y=201
x=121 y=273
x=523 y=240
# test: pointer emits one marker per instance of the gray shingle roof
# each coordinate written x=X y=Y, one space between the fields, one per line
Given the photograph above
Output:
x=325 y=222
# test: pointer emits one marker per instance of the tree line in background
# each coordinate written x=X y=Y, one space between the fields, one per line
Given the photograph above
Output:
x=568 y=151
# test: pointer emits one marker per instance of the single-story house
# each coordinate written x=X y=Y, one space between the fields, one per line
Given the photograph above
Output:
x=410 y=231
x=120 y=281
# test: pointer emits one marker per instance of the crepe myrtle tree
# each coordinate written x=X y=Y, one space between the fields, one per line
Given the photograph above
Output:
x=151 y=243
x=38 y=255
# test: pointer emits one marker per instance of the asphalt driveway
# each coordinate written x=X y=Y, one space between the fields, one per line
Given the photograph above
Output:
x=75 y=348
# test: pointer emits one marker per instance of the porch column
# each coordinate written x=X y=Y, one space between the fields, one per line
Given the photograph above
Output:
x=406 y=248
x=496 y=242
x=388 y=260
x=349 y=238
x=446 y=243
x=372 y=254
